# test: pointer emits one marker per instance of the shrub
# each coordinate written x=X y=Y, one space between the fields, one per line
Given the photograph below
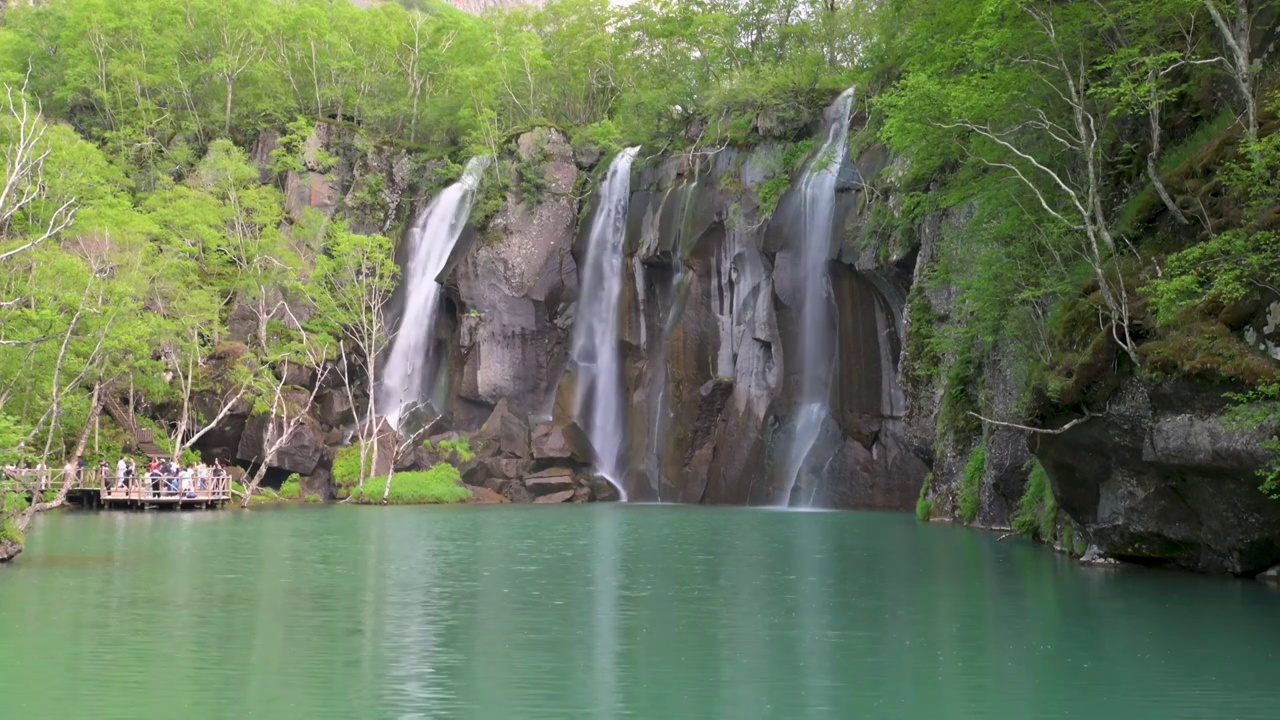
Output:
x=292 y=488
x=346 y=466
x=312 y=499
x=441 y=485
x=1037 y=514
x=461 y=447
x=971 y=484
x=924 y=508
x=9 y=532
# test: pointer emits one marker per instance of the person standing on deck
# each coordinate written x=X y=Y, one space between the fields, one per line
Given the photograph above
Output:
x=153 y=471
x=122 y=469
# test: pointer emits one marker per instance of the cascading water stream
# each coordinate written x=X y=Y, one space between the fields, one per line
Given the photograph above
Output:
x=816 y=194
x=596 y=334
x=431 y=240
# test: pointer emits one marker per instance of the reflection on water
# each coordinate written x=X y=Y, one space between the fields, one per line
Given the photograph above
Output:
x=608 y=612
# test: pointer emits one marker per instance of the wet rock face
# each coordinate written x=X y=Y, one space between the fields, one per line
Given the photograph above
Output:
x=301 y=454
x=513 y=282
x=1158 y=479
x=712 y=328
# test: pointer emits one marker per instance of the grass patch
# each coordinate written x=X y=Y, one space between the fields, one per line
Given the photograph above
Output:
x=971 y=483
x=460 y=447
x=292 y=488
x=1206 y=349
x=1037 y=514
x=1197 y=143
x=346 y=466
x=441 y=485
x=924 y=507
x=312 y=499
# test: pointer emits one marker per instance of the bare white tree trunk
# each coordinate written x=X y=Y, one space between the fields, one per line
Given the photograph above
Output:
x=1236 y=30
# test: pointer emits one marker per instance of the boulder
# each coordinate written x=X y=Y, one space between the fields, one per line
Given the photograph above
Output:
x=556 y=442
x=485 y=496
x=560 y=497
x=335 y=409
x=301 y=454
x=516 y=492
x=320 y=481
x=550 y=481
x=1160 y=479
x=504 y=434
x=602 y=490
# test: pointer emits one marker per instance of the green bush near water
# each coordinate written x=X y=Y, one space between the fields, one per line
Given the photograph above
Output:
x=292 y=488
x=11 y=504
x=1037 y=514
x=971 y=484
x=346 y=466
x=441 y=485
x=924 y=508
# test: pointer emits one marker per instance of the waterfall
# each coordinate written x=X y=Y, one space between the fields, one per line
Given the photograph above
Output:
x=816 y=194
x=430 y=241
x=596 y=333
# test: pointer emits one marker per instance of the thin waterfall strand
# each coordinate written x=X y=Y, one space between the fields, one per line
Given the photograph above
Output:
x=596 y=334
x=431 y=239
x=817 y=193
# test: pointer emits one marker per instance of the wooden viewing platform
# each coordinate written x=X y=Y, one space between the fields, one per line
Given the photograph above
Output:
x=143 y=492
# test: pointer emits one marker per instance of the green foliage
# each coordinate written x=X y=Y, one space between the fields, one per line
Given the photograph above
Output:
x=1037 y=514
x=9 y=532
x=924 y=507
x=441 y=485
x=12 y=504
x=292 y=488
x=346 y=466
x=1260 y=408
x=971 y=482
x=1235 y=261
x=460 y=447
x=921 y=351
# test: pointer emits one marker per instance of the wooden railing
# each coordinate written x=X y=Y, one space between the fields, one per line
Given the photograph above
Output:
x=142 y=488
x=170 y=488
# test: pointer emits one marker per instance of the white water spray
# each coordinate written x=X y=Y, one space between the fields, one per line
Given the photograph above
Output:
x=431 y=241
x=596 y=335
x=817 y=193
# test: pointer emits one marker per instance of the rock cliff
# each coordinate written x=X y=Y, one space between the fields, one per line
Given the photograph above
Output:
x=709 y=337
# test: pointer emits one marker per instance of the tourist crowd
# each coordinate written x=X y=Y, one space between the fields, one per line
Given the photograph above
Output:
x=158 y=476
x=164 y=475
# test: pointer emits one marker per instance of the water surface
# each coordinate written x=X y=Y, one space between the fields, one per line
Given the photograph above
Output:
x=508 y=613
